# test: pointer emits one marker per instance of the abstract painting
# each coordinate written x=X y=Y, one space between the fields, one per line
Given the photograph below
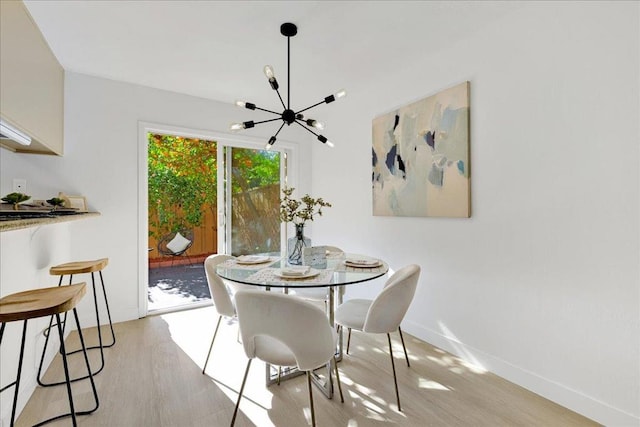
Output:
x=421 y=157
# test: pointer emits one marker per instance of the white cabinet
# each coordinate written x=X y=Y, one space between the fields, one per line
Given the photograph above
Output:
x=31 y=82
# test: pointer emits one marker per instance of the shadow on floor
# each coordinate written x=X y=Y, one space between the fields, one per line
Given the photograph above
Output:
x=177 y=285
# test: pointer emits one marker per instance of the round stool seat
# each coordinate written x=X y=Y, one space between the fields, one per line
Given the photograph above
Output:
x=40 y=302
x=78 y=267
x=34 y=303
x=71 y=269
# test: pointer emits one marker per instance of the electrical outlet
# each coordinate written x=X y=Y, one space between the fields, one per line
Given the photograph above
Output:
x=20 y=185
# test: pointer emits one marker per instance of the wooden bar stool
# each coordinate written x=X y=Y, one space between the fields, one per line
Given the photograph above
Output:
x=81 y=267
x=40 y=303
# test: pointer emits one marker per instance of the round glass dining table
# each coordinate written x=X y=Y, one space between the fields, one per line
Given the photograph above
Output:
x=335 y=273
x=340 y=270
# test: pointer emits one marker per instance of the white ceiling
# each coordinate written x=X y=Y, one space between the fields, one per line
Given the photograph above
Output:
x=217 y=49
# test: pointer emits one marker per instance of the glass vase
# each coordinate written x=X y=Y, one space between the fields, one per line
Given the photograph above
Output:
x=295 y=245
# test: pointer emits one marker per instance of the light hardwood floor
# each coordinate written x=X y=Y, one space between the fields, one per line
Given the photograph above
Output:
x=152 y=377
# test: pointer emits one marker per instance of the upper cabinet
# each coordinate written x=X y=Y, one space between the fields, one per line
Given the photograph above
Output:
x=31 y=83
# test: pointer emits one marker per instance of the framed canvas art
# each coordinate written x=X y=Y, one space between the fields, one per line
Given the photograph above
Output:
x=421 y=157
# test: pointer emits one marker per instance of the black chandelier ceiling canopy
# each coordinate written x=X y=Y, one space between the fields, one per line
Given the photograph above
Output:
x=288 y=115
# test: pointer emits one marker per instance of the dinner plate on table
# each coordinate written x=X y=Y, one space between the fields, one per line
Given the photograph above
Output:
x=362 y=262
x=296 y=272
x=252 y=259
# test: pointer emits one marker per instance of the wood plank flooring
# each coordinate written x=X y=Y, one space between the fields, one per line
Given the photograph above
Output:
x=152 y=377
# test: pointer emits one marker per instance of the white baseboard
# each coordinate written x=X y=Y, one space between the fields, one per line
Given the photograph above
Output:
x=556 y=392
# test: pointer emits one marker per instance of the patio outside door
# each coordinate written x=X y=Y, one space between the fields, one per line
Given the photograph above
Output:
x=223 y=197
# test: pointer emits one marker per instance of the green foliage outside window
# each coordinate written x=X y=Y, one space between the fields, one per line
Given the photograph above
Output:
x=182 y=179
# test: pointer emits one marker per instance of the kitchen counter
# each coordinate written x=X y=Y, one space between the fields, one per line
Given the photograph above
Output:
x=17 y=224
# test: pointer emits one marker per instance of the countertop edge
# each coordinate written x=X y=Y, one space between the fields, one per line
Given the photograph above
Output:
x=36 y=222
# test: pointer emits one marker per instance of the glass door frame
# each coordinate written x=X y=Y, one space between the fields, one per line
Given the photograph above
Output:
x=289 y=173
x=225 y=191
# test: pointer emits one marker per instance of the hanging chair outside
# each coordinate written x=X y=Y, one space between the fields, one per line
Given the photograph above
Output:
x=176 y=244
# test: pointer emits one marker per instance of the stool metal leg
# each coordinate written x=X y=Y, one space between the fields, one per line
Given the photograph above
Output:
x=86 y=361
x=68 y=380
x=106 y=303
x=100 y=346
x=44 y=351
x=16 y=383
x=66 y=370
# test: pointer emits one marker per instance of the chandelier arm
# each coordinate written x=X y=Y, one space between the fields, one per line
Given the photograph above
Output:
x=268 y=111
x=308 y=108
x=267 y=121
x=306 y=128
x=281 y=126
x=281 y=100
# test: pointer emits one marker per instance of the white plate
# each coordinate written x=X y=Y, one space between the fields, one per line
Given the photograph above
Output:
x=281 y=272
x=252 y=259
x=363 y=263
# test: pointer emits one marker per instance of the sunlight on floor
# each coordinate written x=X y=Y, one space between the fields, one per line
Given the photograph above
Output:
x=192 y=331
x=468 y=361
x=187 y=330
x=431 y=385
x=163 y=296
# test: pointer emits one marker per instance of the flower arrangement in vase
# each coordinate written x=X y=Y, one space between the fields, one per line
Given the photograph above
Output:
x=299 y=211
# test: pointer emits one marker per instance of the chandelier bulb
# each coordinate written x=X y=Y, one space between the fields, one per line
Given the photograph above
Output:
x=268 y=71
x=339 y=94
x=272 y=141
x=241 y=103
x=316 y=124
x=324 y=140
x=235 y=127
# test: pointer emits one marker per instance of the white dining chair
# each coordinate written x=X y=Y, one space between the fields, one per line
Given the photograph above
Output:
x=384 y=314
x=285 y=330
x=219 y=293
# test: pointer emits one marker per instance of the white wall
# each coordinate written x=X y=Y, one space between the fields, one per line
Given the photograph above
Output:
x=25 y=257
x=541 y=285
x=101 y=163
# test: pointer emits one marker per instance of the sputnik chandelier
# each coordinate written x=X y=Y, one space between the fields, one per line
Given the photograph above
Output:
x=288 y=116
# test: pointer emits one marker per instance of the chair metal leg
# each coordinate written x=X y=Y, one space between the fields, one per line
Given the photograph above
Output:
x=244 y=380
x=313 y=413
x=393 y=366
x=211 y=346
x=335 y=365
x=403 y=346
x=348 y=340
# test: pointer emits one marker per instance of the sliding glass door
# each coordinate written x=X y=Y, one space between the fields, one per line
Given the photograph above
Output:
x=205 y=196
x=249 y=186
